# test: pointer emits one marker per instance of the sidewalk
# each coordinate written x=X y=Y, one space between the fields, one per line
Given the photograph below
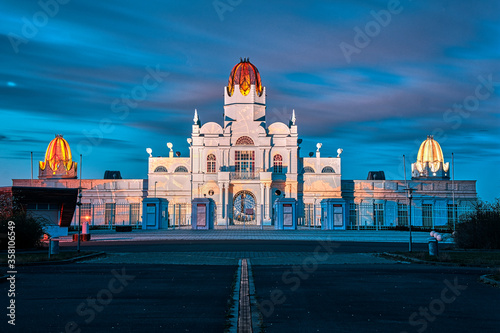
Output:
x=256 y=234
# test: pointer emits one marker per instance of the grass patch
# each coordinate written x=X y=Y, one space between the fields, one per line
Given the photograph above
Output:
x=485 y=258
x=24 y=258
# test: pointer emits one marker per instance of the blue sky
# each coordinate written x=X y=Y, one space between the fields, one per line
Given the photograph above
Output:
x=372 y=77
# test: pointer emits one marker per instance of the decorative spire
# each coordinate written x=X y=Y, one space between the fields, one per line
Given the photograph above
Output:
x=195 y=119
x=293 y=117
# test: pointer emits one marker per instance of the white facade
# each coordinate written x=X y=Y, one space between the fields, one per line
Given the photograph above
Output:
x=244 y=164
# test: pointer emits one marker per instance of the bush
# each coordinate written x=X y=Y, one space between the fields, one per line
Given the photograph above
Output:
x=29 y=231
x=481 y=228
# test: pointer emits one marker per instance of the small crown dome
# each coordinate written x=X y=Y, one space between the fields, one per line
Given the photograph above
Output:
x=430 y=161
x=244 y=74
x=58 y=160
x=430 y=151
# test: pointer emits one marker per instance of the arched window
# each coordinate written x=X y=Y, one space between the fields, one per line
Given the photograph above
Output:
x=244 y=141
x=278 y=163
x=161 y=168
x=181 y=168
x=327 y=169
x=308 y=169
x=211 y=163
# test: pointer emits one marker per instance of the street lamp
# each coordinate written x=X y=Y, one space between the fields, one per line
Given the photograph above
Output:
x=410 y=196
x=155 y=189
x=79 y=204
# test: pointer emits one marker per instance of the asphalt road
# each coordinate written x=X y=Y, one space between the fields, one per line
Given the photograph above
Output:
x=304 y=297
x=120 y=298
x=375 y=298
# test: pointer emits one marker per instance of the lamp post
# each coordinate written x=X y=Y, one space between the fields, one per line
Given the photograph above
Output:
x=79 y=203
x=453 y=189
x=410 y=196
x=155 y=189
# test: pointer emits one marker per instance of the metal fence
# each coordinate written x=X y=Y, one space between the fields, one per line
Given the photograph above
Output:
x=379 y=216
x=109 y=215
x=358 y=216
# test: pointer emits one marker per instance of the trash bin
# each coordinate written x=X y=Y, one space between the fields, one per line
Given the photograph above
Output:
x=433 y=247
x=54 y=246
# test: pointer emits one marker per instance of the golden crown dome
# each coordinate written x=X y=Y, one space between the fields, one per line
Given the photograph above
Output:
x=58 y=152
x=430 y=151
x=244 y=74
x=430 y=155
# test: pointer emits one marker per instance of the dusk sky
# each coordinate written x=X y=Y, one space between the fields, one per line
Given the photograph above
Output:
x=372 y=77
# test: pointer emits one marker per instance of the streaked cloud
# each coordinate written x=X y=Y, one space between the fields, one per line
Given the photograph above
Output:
x=392 y=94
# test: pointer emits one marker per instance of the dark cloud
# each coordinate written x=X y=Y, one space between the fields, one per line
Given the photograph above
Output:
x=380 y=105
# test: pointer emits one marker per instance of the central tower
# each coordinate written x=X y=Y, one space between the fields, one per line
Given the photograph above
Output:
x=244 y=96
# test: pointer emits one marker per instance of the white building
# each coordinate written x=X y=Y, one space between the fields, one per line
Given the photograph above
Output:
x=244 y=164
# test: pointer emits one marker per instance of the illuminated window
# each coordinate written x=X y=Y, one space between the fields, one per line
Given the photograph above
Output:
x=244 y=141
x=86 y=212
x=327 y=169
x=181 y=168
x=244 y=164
x=427 y=215
x=109 y=213
x=308 y=169
x=278 y=163
x=211 y=163
x=161 y=168
x=135 y=213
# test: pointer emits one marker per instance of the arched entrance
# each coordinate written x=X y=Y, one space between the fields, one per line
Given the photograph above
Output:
x=244 y=208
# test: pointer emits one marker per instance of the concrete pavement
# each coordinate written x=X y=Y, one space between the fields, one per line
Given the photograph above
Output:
x=232 y=258
x=257 y=234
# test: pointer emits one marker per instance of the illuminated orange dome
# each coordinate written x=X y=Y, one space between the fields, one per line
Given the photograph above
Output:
x=244 y=74
x=430 y=151
x=58 y=161
x=430 y=161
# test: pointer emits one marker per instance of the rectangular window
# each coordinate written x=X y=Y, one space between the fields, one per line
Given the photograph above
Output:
x=86 y=212
x=427 y=215
x=308 y=214
x=134 y=213
x=378 y=214
x=402 y=214
x=244 y=164
x=110 y=212
x=353 y=214
x=452 y=214
x=338 y=216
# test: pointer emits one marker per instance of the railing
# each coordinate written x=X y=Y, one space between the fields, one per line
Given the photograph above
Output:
x=244 y=175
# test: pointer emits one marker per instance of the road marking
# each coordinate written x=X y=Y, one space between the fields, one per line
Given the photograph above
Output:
x=244 y=312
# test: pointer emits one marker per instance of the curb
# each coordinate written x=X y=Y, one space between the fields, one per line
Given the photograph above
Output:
x=59 y=262
x=487 y=280
x=401 y=257
x=404 y=258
